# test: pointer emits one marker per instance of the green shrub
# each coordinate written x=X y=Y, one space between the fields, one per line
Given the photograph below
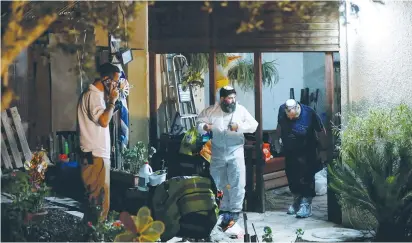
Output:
x=374 y=170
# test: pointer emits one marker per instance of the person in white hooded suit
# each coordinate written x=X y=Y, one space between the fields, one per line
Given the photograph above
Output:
x=228 y=121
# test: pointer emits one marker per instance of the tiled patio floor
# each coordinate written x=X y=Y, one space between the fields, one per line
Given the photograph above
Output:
x=280 y=199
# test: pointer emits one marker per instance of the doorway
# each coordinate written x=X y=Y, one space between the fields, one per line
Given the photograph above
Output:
x=311 y=75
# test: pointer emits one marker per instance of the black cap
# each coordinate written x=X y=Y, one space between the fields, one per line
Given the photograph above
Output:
x=226 y=91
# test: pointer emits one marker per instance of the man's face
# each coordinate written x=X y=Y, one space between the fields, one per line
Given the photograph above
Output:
x=111 y=83
x=229 y=99
x=228 y=103
x=293 y=112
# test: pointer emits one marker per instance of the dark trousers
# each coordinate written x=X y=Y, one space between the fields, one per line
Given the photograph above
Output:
x=300 y=172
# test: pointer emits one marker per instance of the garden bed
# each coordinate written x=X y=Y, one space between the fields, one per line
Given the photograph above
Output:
x=55 y=226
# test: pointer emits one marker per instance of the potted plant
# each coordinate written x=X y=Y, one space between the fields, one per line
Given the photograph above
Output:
x=38 y=190
x=198 y=65
x=242 y=74
x=193 y=78
x=133 y=159
x=28 y=199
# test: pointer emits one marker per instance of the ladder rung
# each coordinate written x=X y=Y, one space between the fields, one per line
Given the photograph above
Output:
x=187 y=116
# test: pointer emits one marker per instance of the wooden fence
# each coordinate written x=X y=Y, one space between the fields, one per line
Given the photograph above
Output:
x=14 y=147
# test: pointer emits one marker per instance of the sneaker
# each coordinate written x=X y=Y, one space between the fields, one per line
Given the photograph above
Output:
x=235 y=216
x=295 y=206
x=227 y=221
x=292 y=209
x=305 y=209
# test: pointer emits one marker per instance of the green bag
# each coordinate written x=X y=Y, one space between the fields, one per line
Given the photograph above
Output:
x=187 y=206
x=190 y=142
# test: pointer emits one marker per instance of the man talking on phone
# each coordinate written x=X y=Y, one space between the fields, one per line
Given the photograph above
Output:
x=94 y=112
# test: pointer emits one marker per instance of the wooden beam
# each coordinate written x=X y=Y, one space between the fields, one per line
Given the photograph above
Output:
x=152 y=100
x=236 y=45
x=212 y=77
x=334 y=210
x=260 y=187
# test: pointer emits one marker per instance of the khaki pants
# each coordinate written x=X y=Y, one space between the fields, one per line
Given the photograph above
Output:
x=96 y=179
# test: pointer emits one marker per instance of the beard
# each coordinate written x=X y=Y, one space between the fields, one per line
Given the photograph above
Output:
x=228 y=108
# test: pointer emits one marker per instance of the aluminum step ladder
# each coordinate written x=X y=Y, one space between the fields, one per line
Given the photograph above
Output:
x=178 y=100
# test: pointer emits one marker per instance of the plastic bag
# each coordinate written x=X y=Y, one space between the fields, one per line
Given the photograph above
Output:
x=321 y=182
x=189 y=142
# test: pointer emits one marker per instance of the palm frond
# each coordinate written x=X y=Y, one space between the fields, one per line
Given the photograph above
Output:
x=374 y=170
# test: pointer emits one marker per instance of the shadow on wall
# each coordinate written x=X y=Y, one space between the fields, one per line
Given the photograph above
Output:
x=139 y=129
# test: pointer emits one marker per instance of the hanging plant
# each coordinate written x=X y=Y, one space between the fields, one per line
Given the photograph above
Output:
x=199 y=62
x=192 y=78
x=198 y=65
x=242 y=74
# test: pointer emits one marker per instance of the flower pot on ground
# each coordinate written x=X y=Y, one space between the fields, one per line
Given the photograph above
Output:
x=133 y=159
x=35 y=217
x=124 y=177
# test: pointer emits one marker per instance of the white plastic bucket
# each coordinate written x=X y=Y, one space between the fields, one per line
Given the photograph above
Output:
x=157 y=178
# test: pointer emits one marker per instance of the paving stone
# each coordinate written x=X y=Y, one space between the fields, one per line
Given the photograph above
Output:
x=68 y=202
x=336 y=234
x=75 y=213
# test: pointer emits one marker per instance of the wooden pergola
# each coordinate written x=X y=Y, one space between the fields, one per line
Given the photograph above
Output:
x=182 y=27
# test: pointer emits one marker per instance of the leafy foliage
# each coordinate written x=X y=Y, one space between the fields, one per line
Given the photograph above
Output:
x=299 y=233
x=136 y=156
x=105 y=231
x=374 y=171
x=192 y=78
x=199 y=62
x=26 y=201
x=26 y=197
x=242 y=74
x=267 y=237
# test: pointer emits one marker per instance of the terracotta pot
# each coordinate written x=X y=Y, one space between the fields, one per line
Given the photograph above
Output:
x=35 y=216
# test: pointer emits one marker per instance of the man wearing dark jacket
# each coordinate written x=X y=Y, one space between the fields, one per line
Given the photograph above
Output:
x=300 y=131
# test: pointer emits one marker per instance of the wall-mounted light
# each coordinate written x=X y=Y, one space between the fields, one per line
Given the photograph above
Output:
x=125 y=56
x=349 y=11
x=354 y=10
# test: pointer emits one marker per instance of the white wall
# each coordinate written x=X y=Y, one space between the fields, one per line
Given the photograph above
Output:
x=376 y=57
x=314 y=76
x=290 y=67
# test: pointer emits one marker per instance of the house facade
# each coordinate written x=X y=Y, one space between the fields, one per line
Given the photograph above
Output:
x=375 y=53
x=375 y=57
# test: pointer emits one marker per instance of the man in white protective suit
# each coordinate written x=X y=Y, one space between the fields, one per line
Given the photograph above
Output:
x=228 y=121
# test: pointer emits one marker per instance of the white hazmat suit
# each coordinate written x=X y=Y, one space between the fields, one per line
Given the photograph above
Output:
x=228 y=162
